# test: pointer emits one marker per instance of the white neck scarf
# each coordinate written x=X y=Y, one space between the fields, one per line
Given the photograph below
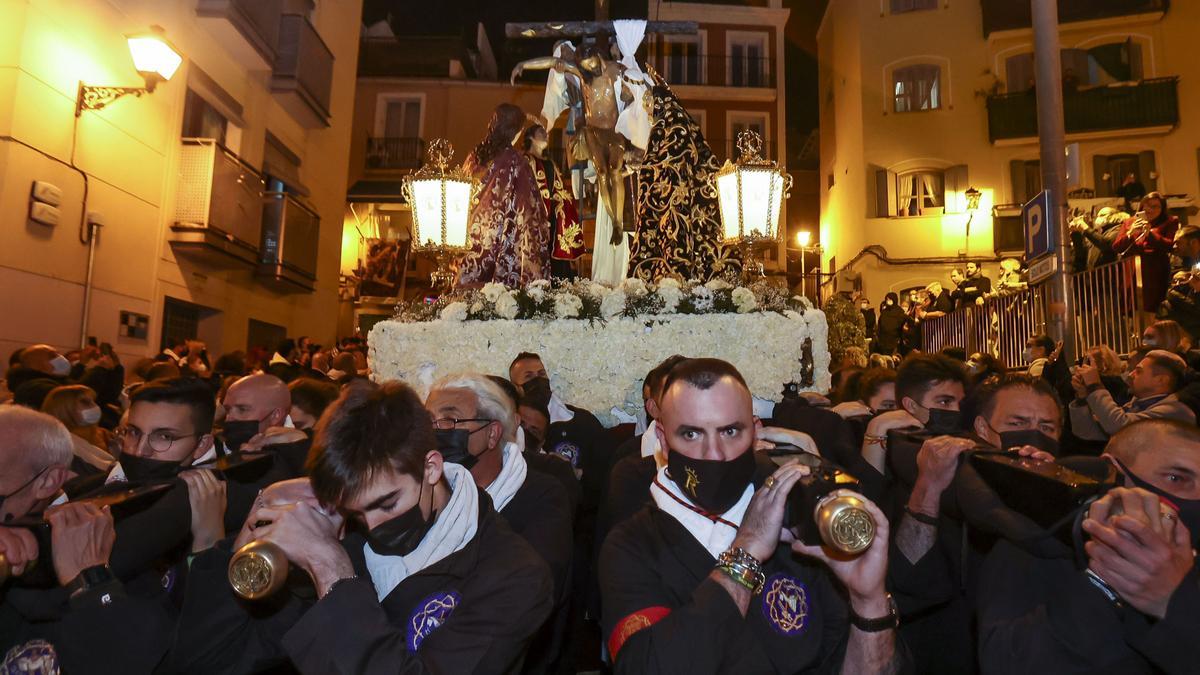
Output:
x=559 y=412
x=511 y=478
x=716 y=537
x=118 y=472
x=455 y=526
x=651 y=446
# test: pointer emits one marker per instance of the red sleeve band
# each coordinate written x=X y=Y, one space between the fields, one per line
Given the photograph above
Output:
x=631 y=624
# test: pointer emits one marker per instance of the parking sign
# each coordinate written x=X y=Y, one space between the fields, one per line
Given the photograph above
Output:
x=1040 y=224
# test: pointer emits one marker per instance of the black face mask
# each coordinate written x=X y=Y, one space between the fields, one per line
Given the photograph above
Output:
x=237 y=432
x=944 y=421
x=537 y=389
x=401 y=535
x=712 y=484
x=452 y=443
x=1189 y=509
x=1031 y=437
x=145 y=469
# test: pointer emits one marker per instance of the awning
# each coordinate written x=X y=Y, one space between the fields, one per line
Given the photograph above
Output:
x=375 y=192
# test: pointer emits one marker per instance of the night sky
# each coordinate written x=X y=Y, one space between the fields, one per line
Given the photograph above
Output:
x=412 y=17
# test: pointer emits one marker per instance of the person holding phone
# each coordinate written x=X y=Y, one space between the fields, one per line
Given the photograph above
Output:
x=1151 y=236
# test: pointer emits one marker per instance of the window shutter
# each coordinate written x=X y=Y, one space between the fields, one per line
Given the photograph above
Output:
x=1016 y=170
x=885 y=193
x=1099 y=168
x=954 y=187
x=1145 y=168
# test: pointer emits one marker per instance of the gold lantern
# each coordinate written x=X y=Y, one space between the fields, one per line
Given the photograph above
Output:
x=751 y=193
x=441 y=199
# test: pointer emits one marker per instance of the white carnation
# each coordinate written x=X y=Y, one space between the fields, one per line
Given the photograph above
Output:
x=597 y=290
x=718 y=285
x=668 y=282
x=744 y=299
x=612 y=304
x=477 y=306
x=506 y=305
x=634 y=286
x=704 y=299
x=455 y=311
x=493 y=290
x=536 y=293
x=671 y=295
x=567 y=306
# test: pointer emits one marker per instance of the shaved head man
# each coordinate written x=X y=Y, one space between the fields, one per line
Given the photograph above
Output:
x=253 y=405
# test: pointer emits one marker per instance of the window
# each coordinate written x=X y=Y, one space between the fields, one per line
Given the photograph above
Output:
x=1112 y=171
x=1019 y=72
x=681 y=58
x=748 y=121
x=282 y=167
x=918 y=193
x=917 y=87
x=401 y=118
x=202 y=120
x=747 y=59
x=1102 y=65
x=902 y=6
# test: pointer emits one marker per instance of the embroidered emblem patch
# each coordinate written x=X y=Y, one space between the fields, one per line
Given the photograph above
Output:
x=785 y=604
x=568 y=451
x=430 y=614
x=168 y=579
x=36 y=657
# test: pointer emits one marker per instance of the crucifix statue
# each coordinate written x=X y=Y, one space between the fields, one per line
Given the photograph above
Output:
x=602 y=86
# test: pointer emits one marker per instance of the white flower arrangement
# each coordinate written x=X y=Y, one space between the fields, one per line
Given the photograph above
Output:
x=507 y=306
x=613 y=304
x=455 y=311
x=493 y=291
x=744 y=299
x=567 y=305
x=599 y=365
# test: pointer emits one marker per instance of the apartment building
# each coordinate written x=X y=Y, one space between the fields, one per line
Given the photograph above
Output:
x=922 y=100
x=206 y=208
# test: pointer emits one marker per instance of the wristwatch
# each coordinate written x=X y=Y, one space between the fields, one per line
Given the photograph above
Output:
x=90 y=578
x=889 y=622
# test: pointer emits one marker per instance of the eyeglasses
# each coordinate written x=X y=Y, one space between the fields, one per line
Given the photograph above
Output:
x=159 y=441
x=26 y=484
x=448 y=423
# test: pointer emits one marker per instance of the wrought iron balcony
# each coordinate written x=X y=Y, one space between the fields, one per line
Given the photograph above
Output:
x=395 y=153
x=1149 y=103
x=1010 y=15
x=248 y=28
x=303 y=77
x=218 y=207
x=290 y=237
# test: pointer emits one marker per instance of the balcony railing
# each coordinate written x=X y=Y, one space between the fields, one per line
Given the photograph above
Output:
x=290 y=237
x=1009 y=15
x=1150 y=103
x=219 y=205
x=249 y=27
x=303 y=77
x=719 y=71
x=395 y=153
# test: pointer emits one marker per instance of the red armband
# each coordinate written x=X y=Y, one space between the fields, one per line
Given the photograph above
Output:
x=631 y=624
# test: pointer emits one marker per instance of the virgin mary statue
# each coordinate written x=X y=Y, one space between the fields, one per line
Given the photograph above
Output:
x=508 y=233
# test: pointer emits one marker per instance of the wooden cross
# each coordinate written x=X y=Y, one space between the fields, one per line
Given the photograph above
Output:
x=601 y=26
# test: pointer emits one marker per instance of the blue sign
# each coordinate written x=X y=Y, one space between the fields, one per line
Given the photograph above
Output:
x=1040 y=224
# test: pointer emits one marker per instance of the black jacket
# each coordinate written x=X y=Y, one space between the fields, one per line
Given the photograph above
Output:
x=99 y=631
x=971 y=289
x=555 y=467
x=1043 y=615
x=583 y=442
x=889 y=330
x=663 y=615
x=472 y=612
x=833 y=435
x=541 y=513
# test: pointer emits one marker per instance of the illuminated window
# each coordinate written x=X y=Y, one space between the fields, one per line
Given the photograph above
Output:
x=919 y=192
x=917 y=87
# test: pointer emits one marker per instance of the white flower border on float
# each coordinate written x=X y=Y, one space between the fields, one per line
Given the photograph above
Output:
x=599 y=364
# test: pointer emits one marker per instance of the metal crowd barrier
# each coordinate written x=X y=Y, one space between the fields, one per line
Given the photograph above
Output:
x=1107 y=311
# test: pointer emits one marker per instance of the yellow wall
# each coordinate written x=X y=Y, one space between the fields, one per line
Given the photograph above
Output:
x=858 y=47
x=130 y=152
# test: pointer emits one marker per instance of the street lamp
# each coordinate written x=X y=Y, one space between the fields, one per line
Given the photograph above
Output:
x=750 y=193
x=153 y=57
x=804 y=244
x=441 y=198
